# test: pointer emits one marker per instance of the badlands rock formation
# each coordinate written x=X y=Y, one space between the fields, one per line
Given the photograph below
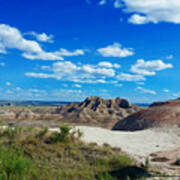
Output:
x=158 y=114
x=93 y=111
x=97 y=111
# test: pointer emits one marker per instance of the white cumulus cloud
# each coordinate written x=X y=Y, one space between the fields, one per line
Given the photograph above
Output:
x=147 y=91
x=68 y=71
x=57 y=55
x=42 y=56
x=12 y=38
x=108 y=64
x=138 y=19
x=43 y=37
x=166 y=90
x=154 y=11
x=130 y=77
x=149 y=68
x=64 y=52
x=115 y=50
x=148 y=11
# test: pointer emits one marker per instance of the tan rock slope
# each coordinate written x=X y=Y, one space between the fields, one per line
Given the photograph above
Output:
x=97 y=111
x=158 y=114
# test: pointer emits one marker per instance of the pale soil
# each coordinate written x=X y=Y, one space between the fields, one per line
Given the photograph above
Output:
x=151 y=143
x=141 y=143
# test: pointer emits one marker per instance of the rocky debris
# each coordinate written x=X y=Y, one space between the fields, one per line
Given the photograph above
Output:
x=158 y=114
x=97 y=111
x=165 y=161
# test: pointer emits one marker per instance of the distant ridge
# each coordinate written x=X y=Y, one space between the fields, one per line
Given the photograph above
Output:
x=46 y=103
x=32 y=103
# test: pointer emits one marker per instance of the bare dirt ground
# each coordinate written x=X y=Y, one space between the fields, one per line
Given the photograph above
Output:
x=141 y=143
x=160 y=145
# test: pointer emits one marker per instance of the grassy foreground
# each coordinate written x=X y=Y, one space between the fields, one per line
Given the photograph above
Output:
x=36 y=154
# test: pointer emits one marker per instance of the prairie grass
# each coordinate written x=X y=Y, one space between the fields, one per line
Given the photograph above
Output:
x=37 y=154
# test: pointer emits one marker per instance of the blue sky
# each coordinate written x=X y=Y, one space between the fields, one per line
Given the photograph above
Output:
x=68 y=50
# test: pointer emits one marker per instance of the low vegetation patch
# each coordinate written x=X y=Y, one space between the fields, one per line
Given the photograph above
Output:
x=14 y=165
x=37 y=154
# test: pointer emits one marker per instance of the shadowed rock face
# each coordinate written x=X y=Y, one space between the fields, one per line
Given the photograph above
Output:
x=97 y=111
x=158 y=114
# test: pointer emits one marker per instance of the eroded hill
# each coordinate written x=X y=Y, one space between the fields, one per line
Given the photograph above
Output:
x=158 y=114
x=95 y=110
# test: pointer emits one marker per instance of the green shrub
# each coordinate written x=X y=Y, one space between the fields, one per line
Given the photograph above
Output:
x=106 y=145
x=13 y=165
x=61 y=136
x=64 y=132
x=101 y=162
x=18 y=130
x=55 y=137
x=105 y=176
x=42 y=133
x=112 y=162
x=11 y=132
x=117 y=162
